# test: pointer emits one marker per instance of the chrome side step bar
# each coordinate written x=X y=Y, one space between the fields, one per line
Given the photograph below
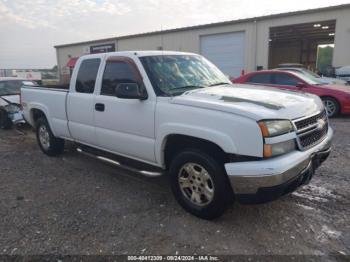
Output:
x=118 y=164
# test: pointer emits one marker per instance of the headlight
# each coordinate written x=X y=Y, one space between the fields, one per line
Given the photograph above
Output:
x=279 y=148
x=12 y=108
x=271 y=128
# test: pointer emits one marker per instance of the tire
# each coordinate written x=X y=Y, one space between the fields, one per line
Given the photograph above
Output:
x=331 y=105
x=48 y=143
x=5 y=121
x=215 y=193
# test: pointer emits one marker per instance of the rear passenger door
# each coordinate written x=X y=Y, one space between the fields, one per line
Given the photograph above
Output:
x=124 y=126
x=80 y=101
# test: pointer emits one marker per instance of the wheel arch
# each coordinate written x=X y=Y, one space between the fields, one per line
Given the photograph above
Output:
x=174 y=143
x=330 y=96
x=335 y=99
x=37 y=112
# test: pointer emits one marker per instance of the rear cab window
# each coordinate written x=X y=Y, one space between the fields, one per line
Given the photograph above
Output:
x=87 y=74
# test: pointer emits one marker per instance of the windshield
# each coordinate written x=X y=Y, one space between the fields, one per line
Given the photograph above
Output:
x=308 y=78
x=310 y=73
x=13 y=87
x=175 y=74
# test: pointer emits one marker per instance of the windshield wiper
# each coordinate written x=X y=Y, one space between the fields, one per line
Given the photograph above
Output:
x=221 y=83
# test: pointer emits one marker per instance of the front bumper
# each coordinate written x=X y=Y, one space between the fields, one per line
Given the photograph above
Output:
x=17 y=117
x=265 y=180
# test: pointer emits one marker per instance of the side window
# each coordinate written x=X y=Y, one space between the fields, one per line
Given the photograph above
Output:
x=116 y=72
x=260 y=79
x=13 y=84
x=87 y=76
x=10 y=87
x=285 y=79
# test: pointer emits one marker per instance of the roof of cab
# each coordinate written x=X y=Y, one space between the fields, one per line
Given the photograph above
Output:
x=139 y=53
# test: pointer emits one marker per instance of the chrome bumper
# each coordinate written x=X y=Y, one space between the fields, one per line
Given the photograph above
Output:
x=249 y=177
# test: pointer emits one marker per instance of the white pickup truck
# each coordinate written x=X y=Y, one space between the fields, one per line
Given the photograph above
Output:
x=177 y=114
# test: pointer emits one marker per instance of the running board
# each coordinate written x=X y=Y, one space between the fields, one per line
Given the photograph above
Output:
x=123 y=166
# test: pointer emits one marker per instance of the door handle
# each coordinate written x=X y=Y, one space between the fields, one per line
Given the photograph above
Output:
x=100 y=107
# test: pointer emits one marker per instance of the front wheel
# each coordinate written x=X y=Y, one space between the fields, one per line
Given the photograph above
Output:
x=200 y=184
x=331 y=105
x=48 y=143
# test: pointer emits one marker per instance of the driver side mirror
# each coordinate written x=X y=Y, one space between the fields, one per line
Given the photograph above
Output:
x=300 y=85
x=130 y=91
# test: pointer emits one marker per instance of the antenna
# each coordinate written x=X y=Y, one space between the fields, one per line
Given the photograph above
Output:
x=161 y=47
x=161 y=37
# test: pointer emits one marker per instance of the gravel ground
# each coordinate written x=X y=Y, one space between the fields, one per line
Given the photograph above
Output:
x=77 y=205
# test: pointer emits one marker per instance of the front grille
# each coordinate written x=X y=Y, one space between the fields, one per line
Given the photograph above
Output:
x=311 y=130
x=306 y=122
x=313 y=138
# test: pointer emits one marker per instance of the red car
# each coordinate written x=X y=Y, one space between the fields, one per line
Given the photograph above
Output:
x=336 y=98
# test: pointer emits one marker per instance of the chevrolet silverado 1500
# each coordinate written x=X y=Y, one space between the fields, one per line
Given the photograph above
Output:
x=177 y=114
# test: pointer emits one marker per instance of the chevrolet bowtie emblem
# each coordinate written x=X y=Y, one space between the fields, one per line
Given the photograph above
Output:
x=320 y=124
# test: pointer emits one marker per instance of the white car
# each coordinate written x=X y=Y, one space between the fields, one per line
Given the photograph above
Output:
x=10 y=112
x=343 y=73
x=308 y=73
x=177 y=114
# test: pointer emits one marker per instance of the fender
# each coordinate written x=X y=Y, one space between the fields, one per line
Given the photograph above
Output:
x=218 y=138
x=42 y=108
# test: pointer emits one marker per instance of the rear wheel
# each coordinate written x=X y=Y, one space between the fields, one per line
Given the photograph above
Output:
x=200 y=184
x=5 y=121
x=48 y=143
x=331 y=105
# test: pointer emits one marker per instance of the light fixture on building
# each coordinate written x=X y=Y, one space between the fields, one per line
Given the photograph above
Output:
x=270 y=40
x=331 y=34
x=317 y=25
x=325 y=27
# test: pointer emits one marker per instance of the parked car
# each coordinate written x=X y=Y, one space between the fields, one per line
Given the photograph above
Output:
x=289 y=65
x=176 y=113
x=336 y=98
x=10 y=112
x=343 y=73
x=310 y=74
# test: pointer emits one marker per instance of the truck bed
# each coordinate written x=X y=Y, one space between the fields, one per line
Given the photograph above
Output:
x=52 y=101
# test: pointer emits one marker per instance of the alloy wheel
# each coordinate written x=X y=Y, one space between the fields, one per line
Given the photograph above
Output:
x=196 y=184
x=330 y=107
x=44 y=137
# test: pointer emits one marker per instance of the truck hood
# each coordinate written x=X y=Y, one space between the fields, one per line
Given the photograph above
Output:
x=4 y=100
x=253 y=101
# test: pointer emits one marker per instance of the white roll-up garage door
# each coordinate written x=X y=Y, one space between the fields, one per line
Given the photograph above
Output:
x=226 y=51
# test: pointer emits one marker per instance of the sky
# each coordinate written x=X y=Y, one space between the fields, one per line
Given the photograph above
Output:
x=30 y=29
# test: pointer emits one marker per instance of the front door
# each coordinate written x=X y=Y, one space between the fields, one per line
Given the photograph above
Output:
x=124 y=126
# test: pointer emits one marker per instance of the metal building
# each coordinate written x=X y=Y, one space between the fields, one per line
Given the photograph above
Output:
x=245 y=44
